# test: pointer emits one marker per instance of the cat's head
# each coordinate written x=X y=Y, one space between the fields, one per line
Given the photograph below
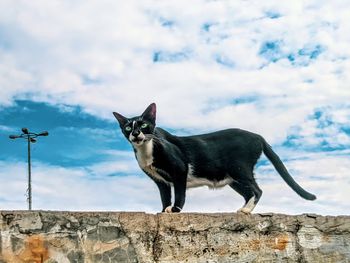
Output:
x=138 y=129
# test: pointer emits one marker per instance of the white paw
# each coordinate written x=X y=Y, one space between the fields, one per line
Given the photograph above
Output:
x=168 y=209
x=249 y=206
x=244 y=210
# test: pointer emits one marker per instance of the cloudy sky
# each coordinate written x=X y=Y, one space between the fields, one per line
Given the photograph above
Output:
x=275 y=68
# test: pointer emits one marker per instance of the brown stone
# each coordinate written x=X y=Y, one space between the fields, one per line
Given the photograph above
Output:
x=35 y=250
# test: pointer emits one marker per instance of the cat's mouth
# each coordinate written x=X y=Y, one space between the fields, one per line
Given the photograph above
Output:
x=137 y=140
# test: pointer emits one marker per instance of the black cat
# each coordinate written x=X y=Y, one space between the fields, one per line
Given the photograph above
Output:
x=214 y=159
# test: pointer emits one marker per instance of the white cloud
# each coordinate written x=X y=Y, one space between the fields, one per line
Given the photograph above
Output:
x=68 y=41
x=6 y=128
x=59 y=188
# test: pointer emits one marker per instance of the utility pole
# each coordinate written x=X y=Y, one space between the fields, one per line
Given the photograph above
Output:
x=30 y=137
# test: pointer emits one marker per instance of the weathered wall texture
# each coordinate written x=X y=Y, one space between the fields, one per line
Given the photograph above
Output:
x=138 y=237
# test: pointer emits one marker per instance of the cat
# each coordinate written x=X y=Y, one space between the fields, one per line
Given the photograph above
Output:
x=225 y=157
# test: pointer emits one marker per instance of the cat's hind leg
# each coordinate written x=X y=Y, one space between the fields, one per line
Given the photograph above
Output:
x=250 y=192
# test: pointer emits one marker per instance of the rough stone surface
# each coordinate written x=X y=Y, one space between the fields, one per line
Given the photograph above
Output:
x=67 y=237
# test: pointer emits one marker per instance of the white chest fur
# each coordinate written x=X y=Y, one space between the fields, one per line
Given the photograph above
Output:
x=144 y=154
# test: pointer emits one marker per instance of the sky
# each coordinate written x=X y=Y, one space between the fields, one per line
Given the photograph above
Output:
x=271 y=67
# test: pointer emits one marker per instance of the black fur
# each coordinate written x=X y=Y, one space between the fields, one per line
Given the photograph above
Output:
x=230 y=153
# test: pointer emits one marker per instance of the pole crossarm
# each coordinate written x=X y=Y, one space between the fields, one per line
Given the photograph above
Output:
x=29 y=135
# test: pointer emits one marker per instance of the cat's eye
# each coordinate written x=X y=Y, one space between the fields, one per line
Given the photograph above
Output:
x=144 y=125
x=128 y=128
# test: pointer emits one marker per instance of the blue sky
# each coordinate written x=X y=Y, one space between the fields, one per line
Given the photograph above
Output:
x=266 y=66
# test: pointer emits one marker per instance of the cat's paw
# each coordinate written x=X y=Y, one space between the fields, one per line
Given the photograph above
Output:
x=168 y=209
x=244 y=210
x=248 y=207
x=172 y=209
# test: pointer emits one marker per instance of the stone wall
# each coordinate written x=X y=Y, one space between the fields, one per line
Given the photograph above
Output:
x=41 y=236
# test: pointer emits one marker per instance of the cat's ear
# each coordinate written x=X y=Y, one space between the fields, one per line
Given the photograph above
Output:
x=121 y=119
x=150 y=113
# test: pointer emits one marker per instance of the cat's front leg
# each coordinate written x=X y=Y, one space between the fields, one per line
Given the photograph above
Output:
x=165 y=194
x=180 y=196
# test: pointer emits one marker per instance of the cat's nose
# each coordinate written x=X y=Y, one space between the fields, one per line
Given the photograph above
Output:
x=135 y=133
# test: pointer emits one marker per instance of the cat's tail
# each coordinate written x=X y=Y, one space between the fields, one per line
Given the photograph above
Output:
x=282 y=170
